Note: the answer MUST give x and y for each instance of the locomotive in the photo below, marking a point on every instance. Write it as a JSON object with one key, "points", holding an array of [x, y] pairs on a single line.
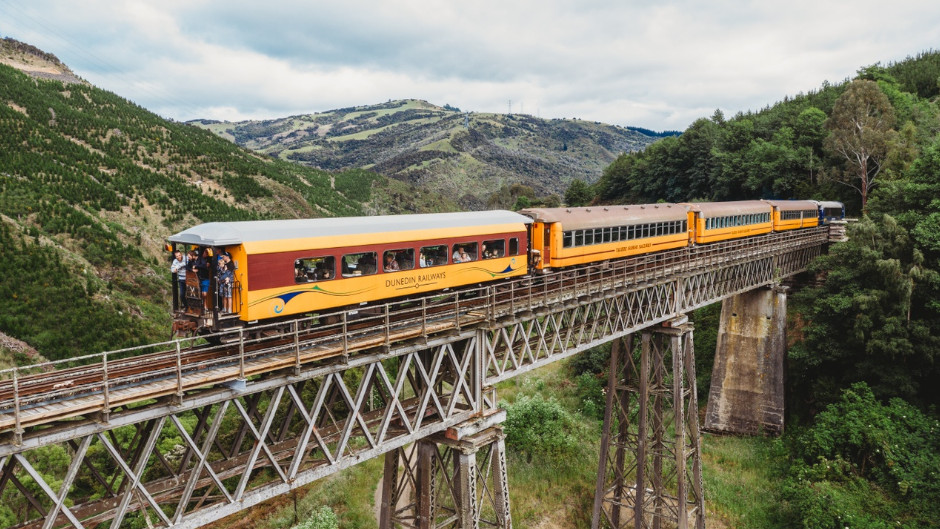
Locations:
{"points": [[282, 269]]}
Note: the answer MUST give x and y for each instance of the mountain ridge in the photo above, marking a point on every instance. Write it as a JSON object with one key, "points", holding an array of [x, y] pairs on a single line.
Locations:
{"points": [[470, 155]]}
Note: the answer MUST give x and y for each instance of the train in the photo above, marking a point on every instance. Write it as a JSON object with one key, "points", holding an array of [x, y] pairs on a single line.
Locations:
{"points": [[285, 269]]}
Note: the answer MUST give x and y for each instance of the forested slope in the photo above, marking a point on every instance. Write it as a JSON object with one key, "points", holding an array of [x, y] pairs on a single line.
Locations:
{"points": [[90, 186], [470, 156], [864, 359]]}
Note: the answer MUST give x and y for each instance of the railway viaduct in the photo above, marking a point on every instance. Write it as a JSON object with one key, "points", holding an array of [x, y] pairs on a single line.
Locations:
{"points": [[180, 434]]}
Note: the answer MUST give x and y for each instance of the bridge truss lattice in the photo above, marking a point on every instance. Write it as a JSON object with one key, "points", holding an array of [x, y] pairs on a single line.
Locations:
{"points": [[211, 439]]}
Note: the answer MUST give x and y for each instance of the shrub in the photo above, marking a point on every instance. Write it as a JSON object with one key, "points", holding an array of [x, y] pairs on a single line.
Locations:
{"points": [[591, 395], [322, 518], [537, 426], [859, 450]]}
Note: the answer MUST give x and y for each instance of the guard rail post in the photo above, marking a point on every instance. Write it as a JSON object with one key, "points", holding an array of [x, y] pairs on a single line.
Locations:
{"points": [[241, 353], [296, 347], [345, 337], [179, 374], [388, 332], [17, 424], [106, 390], [424, 317]]}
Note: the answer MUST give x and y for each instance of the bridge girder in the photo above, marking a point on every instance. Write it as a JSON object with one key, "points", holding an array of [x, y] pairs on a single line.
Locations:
{"points": [[201, 453]]}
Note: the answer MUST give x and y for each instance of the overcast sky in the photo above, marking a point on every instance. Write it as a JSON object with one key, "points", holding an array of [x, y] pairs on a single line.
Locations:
{"points": [[653, 64]]}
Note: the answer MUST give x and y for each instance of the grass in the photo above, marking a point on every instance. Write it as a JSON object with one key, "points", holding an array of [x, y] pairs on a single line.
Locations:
{"points": [[349, 493], [553, 491], [409, 104], [741, 481], [740, 477], [442, 145]]}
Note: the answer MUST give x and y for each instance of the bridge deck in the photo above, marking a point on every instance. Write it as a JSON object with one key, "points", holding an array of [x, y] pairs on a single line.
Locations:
{"points": [[42, 394]]}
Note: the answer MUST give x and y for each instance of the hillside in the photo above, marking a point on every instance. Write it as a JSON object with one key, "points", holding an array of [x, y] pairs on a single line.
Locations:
{"points": [[861, 448], [91, 185], [469, 156]]}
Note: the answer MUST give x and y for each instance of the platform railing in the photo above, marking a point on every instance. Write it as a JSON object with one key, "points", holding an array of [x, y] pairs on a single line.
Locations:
{"points": [[98, 382]]}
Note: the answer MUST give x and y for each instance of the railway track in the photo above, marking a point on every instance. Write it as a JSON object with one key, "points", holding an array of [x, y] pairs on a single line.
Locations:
{"points": [[62, 390]]}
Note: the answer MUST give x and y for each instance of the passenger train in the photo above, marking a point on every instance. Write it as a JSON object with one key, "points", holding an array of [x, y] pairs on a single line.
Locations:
{"points": [[287, 268]]}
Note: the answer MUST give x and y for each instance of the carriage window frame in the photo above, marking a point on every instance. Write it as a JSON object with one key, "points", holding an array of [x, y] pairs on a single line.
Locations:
{"points": [[405, 257], [362, 267], [496, 248], [472, 248], [435, 255], [310, 265]]}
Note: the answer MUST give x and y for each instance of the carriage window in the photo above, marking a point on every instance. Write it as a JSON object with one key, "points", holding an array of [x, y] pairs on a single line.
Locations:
{"points": [[579, 238], [465, 252], [359, 264], [567, 239], [314, 269], [514, 246], [495, 248], [394, 260], [433, 256]]}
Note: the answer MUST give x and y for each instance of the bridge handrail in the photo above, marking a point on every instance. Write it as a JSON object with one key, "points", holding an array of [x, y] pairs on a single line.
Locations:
{"points": [[97, 379]]}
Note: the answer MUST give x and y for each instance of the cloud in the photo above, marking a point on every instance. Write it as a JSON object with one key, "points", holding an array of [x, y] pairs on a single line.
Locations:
{"points": [[659, 65]]}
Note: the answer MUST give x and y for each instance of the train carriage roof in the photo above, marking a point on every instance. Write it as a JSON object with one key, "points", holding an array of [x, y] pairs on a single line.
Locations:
{"points": [[606, 216], [792, 205], [232, 233], [723, 209], [830, 204]]}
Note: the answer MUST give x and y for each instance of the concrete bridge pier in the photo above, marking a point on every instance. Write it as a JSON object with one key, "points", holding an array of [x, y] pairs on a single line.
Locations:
{"points": [[650, 469], [747, 388]]}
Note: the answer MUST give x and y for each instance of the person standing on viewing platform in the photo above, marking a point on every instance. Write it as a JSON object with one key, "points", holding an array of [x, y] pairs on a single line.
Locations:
{"points": [[178, 267]]}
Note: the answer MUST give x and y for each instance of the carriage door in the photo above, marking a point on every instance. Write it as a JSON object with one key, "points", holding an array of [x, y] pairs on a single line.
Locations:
{"points": [[547, 241]]}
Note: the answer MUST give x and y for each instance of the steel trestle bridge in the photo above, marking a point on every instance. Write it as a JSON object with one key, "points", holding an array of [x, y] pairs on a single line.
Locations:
{"points": [[182, 433]]}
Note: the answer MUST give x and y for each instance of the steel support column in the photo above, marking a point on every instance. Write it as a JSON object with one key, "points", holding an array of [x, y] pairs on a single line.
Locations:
{"points": [[649, 473], [446, 483]]}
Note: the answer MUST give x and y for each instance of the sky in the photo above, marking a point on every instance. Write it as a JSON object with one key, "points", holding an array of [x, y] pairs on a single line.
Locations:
{"points": [[659, 65]]}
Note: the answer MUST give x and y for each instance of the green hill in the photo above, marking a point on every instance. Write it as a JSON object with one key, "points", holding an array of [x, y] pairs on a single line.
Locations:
{"points": [[91, 185], [465, 155]]}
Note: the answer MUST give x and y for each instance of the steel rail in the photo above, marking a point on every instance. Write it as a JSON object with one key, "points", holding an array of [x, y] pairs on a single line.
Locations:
{"points": [[109, 379]]}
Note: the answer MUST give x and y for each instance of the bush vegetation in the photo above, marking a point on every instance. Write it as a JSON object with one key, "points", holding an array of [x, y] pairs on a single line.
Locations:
{"points": [[865, 344]]}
